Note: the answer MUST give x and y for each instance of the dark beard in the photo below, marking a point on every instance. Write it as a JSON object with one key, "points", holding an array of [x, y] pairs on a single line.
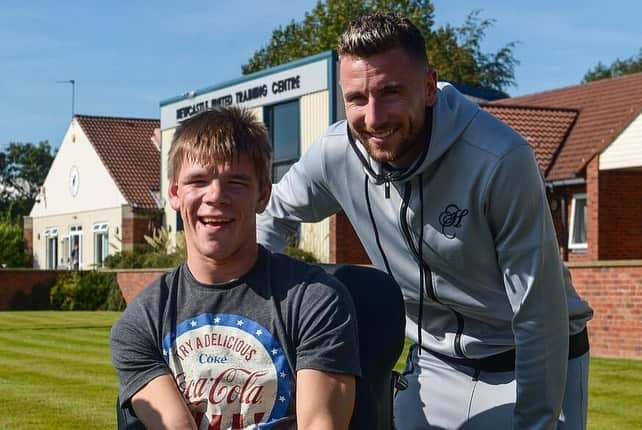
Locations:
{"points": [[411, 144]]}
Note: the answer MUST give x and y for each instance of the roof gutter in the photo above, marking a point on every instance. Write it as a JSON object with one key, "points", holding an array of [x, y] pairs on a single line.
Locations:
{"points": [[566, 182]]}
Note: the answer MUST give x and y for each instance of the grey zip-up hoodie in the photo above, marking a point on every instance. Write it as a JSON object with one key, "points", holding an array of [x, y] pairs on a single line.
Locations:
{"points": [[492, 272]]}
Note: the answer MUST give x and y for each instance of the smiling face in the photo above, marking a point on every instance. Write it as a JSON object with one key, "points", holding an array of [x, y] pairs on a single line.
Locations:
{"points": [[218, 204], [385, 96]]}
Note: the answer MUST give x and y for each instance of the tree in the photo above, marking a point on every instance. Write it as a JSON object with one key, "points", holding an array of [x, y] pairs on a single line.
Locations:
{"points": [[455, 52], [617, 68], [12, 250], [23, 169]]}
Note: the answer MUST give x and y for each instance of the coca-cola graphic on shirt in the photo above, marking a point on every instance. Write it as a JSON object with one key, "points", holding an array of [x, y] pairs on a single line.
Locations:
{"points": [[231, 371]]}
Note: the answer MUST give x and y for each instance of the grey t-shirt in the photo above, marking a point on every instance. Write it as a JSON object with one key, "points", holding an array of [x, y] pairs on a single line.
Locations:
{"points": [[233, 349]]}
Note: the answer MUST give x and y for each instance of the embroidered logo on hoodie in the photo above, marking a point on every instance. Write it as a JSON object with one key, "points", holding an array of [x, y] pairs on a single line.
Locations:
{"points": [[450, 219]]}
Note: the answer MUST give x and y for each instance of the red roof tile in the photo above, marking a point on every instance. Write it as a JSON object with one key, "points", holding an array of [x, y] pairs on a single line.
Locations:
{"points": [[605, 108], [545, 129], [125, 147]]}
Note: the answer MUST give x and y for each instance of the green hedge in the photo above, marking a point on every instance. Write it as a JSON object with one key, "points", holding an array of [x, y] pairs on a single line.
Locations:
{"points": [[300, 254], [144, 257], [89, 291]]}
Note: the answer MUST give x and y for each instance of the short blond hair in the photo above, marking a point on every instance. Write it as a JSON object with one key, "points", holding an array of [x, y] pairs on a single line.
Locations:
{"points": [[221, 135]]}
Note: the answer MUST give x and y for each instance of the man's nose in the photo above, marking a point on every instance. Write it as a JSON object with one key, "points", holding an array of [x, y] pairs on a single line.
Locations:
{"points": [[215, 193], [374, 114]]}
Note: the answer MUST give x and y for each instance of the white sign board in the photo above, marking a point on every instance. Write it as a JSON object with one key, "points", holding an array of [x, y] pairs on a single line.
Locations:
{"points": [[265, 90]]}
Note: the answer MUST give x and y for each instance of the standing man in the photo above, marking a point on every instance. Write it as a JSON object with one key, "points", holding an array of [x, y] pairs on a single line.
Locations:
{"points": [[235, 337], [449, 201]]}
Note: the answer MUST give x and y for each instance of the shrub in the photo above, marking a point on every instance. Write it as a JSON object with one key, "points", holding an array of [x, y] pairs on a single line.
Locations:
{"points": [[300, 254], [82, 290], [153, 255], [115, 300], [12, 252], [142, 257]]}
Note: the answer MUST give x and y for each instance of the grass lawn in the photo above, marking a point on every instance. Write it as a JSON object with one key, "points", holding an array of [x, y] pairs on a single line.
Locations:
{"points": [[55, 373]]}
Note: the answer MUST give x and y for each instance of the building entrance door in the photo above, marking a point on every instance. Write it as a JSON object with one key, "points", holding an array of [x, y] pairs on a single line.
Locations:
{"points": [[75, 247]]}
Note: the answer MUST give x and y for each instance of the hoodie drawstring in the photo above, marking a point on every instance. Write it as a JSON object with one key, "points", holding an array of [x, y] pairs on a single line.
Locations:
{"points": [[386, 187], [422, 273], [374, 226]]}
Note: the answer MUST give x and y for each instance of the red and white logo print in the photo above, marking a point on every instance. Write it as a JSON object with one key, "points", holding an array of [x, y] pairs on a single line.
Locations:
{"points": [[230, 370]]}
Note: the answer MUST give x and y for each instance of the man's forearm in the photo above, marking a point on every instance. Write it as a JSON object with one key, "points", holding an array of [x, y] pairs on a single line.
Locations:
{"points": [[324, 401], [159, 405]]}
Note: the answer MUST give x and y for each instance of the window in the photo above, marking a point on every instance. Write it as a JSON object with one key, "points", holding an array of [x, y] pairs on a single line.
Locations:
{"points": [[101, 243], [179, 222], [75, 247], [283, 122], [64, 253], [51, 251], [577, 238]]}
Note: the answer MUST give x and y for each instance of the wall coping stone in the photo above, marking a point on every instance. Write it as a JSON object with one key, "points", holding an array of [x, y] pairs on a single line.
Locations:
{"points": [[605, 263], [152, 270]]}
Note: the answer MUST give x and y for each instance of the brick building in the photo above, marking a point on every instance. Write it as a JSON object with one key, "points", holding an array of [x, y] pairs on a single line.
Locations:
{"points": [[588, 142], [101, 194]]}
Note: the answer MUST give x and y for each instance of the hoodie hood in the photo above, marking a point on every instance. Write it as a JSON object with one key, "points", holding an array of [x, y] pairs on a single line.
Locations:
{"points": [[450, 116]]}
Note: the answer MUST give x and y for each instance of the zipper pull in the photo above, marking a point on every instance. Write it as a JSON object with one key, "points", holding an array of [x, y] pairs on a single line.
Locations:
{"points": [[386, 187]]}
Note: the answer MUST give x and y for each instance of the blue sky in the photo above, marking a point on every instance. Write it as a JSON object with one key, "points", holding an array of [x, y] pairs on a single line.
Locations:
{"points": [[126, 56]]}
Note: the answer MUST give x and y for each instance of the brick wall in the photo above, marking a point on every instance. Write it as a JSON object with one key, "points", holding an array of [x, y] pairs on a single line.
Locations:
{"points": [[132, 282], [25, 289], [614, 214], [620, 215], [28, 289], [27, 236], [614, 290], [345, 246], [135, 225], [593, 215]]}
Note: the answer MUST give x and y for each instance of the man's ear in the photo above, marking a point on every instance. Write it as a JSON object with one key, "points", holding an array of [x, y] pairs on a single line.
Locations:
{"points": [[172, 194], [431, 87], [264, 197]]}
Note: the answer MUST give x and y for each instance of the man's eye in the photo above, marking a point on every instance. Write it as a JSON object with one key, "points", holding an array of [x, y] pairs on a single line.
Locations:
{"points": [[356, 99], [197, 182], [391, 91]]}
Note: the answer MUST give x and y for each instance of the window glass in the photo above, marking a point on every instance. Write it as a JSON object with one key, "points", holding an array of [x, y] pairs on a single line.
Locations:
{"points": [[52, 252], [64, 252], [101, 244], [283, 123], [578, 222], [179, 222], [279, 169], [75, 247]]}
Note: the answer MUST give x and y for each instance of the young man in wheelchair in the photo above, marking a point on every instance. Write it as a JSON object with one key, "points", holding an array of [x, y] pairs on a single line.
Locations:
{"points": [[236, 336]]}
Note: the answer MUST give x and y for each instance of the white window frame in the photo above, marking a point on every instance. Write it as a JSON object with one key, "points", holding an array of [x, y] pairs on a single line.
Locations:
{"points": [[64, 253], [51, 233], [571, 243], [100, 229], [75, 230]]}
